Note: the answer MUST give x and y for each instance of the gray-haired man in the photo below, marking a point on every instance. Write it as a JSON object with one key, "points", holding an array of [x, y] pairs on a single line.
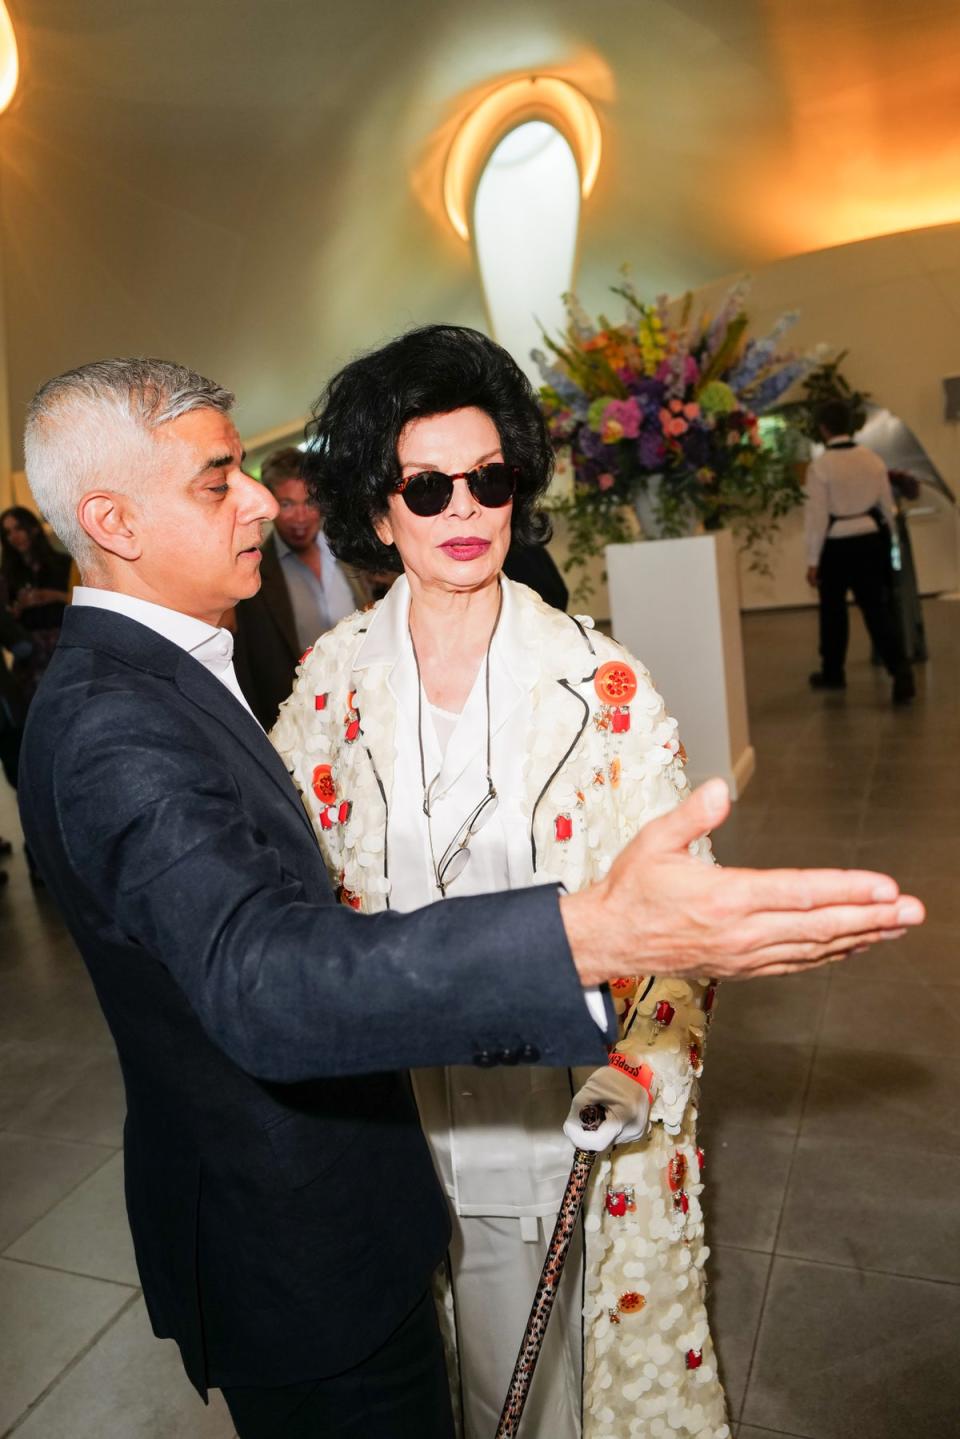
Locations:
{"points": [[283, 1204]]}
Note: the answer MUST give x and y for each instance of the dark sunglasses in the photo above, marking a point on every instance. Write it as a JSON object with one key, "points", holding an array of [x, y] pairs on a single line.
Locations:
{"points": [[429, 492]]}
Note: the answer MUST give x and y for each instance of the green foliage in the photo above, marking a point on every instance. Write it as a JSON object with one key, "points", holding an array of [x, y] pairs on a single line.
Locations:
{"points": [[822, 384]]}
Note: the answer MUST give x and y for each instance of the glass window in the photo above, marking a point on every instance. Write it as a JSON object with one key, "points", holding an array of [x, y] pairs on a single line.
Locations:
{"points": [[526, 216]]}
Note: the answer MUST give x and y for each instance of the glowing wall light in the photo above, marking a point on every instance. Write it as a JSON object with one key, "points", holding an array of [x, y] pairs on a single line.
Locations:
{"points": [[538, 97], [9, 60]]}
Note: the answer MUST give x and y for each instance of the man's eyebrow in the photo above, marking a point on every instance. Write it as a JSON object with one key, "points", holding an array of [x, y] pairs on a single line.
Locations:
{"points": [[218, 462]]}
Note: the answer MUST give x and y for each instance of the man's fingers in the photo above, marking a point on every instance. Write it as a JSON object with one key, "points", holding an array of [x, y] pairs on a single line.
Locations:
{"points": [[806, 889], [829, 925], [707, 807], [797, 958]]}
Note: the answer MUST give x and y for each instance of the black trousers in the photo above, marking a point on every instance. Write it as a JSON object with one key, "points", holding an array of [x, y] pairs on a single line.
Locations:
{"points": [[400, 1392], [860, 564]]}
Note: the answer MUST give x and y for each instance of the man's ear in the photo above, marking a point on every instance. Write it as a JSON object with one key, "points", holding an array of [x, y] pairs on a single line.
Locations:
{"points": [[383, 530], [110, 521]]}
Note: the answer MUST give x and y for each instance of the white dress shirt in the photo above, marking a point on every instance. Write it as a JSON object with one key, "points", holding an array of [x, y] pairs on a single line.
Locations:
{"points": [[845, 479], [210, 646], [317, 604]]}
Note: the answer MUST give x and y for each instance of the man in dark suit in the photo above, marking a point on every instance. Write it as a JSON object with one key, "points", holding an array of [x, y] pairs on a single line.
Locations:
{"points": [[303, 591], [285, 1213]]}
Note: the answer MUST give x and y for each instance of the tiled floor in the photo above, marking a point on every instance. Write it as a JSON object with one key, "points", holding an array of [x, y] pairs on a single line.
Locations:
{"points": [[829, 1106], [831, 1115]]}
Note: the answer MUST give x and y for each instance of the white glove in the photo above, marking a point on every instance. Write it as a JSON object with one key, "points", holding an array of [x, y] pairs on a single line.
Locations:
{"points": [[626, 1102]]}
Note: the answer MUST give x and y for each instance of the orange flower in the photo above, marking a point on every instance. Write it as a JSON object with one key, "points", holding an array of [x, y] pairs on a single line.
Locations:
{"points": [[631, 1303], [323, 785]]}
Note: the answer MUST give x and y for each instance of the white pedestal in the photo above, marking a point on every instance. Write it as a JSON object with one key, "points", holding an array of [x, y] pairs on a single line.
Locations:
{"points": [[675, 604]]}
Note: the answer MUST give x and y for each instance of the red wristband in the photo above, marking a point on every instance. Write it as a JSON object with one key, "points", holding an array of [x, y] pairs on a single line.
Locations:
{"points": [[641, 1073]]}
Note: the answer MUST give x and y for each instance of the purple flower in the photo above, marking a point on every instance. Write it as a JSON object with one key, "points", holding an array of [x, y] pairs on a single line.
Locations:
{"points": [[651, 449]]}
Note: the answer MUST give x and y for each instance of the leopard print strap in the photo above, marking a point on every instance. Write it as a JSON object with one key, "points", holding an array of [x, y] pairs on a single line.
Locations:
{"points": [[536, 1329]]}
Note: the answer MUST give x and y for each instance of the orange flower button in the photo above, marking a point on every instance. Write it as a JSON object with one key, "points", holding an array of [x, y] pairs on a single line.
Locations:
{"points": [[323, 786], [631, 1303], [615, 683]]}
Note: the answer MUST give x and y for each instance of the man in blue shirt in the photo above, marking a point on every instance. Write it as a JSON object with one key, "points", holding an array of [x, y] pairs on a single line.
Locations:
{"points": [[305, 591]]}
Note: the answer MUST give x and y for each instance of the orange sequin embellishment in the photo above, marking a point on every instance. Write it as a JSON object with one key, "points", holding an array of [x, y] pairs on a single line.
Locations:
{"points": [[615, 683]]}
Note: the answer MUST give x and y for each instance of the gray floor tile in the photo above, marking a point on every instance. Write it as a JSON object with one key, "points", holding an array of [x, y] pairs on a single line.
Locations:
{"points": [[751, 1083], [873, 1208], [35, 1074], [746, 1180], [48, 1319], [58, 1010], [37, 1174], [129, 1386], [87, 1232], [784, 850], [940, 893], [755, 1011], [737, 1279], [886, 1017], [860, 1097], [841, 1353], [925, 957], [912, 866], [750, 1431], [91, 1107]]}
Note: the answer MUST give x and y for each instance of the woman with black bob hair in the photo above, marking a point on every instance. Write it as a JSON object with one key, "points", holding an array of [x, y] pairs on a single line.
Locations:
{"points": [[351, 459], [462, 737]]}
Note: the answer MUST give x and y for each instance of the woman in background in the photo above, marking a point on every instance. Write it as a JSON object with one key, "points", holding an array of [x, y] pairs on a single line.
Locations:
{"points": [[37, 579], [460, 737]]}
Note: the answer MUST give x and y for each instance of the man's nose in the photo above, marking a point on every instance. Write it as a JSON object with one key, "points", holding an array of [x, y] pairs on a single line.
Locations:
{"points": [[256, 502]]}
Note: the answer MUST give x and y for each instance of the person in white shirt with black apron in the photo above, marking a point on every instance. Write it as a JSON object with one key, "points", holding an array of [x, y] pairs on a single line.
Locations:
{"points": [[850, 518]]}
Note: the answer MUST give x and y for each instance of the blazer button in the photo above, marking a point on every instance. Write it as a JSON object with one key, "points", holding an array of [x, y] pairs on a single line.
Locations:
{"points": [[509, 1056], [529, 1054], [484, 1059]]}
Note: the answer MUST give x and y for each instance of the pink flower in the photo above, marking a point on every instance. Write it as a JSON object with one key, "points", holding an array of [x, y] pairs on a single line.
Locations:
{"points": [[606, 481], [691, 370], [626, 414]]}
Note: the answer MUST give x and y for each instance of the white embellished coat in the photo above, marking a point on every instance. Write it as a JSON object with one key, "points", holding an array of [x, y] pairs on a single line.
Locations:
{"points": [[595, 771]]}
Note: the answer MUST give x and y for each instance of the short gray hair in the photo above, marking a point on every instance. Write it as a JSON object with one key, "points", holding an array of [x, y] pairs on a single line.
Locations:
{"points": [[91, 427]]}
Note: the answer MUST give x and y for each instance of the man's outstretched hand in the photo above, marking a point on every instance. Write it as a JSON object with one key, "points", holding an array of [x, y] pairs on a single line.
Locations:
{"points": [[661, 911]]}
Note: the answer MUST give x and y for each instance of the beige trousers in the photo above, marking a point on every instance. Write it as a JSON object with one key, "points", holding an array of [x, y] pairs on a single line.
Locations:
{"points": [[495, 1275]]}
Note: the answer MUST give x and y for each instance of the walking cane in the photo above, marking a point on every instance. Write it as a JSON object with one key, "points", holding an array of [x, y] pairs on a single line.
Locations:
{"points": [[591, 1118]]}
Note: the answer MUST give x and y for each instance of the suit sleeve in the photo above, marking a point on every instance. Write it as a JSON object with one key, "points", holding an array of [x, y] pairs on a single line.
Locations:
{"points": [[289, 988]]}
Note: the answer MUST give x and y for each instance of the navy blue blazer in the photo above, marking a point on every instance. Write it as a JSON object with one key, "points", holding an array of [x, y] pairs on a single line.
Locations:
{"points": [[283, 1204]]}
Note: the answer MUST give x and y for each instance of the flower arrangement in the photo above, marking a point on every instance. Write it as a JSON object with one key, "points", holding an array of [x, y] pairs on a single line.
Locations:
{"points": [[661, 413]]}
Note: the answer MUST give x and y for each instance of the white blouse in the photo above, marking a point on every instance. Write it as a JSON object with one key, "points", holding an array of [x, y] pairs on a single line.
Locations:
{"points": [[495, 1134]]}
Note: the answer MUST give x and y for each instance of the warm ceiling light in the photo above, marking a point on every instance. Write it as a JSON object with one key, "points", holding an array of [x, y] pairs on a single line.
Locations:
{"points": [[9, 63], [538, 97]]}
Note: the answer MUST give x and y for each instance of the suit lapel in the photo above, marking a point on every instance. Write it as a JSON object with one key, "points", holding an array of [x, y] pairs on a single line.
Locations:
{"points": [[138, 647], [203, 689]]}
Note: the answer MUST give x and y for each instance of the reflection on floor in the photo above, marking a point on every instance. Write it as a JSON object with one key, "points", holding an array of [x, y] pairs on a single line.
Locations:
{"points": [[830, 1111]]}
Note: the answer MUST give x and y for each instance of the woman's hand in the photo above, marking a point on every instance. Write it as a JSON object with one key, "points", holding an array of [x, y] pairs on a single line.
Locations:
{"points": [[660, 911], [627, 1105]]}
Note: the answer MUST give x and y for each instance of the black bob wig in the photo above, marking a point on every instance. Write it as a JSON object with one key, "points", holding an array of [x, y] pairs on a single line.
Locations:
{"points": [[350, 464]]}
